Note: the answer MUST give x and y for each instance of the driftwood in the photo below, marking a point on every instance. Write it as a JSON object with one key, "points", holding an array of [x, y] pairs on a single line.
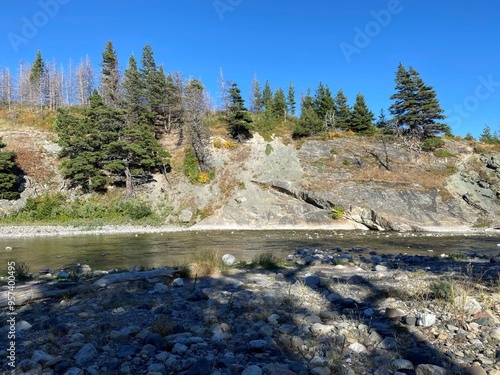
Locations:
{"points": [[149, 276], [34, 290], [39, 289]]}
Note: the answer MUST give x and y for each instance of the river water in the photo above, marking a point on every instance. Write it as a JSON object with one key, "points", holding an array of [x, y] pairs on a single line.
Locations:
{"points": [[172, 248]]}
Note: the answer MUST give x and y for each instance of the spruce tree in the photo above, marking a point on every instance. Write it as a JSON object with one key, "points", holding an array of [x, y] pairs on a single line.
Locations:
{"points": [[9, 179], [110, 76], [239, 120], [154, 85], [279, 104], [323, 102], [415, 108], [37, 81], [342, 111], [362, 117], [309, 122], [256, 101], [267, 98], [291, 99]]}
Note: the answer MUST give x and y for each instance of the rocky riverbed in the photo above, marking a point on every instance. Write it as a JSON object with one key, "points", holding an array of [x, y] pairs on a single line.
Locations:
{"points": [[347, 311]]}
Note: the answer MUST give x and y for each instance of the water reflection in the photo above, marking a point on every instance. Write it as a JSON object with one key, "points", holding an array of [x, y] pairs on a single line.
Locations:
{"points": [[155, 250]]}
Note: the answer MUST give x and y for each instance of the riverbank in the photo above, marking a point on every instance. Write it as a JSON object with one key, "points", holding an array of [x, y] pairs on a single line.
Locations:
{"points": [[340, 312], [24, 231]]}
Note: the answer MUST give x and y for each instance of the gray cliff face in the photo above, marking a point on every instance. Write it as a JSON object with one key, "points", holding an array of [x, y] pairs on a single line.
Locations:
{"points": [[267, 184], [379, 186]]}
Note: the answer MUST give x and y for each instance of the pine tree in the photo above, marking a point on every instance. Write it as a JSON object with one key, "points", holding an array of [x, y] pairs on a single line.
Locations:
{"points": [[9, 179], [323, 102], [415, 108], [133, 95], [255, 96], [37, 81], [342, 111], [110, 76], [81, 146], [279, 109], [362, 117], [267, 98], [239, 120], [309, 122], [291, 99], [154, 85]]}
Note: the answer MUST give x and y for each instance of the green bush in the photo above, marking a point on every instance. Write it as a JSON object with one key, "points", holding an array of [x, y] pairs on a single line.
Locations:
{"points": [[442, 153], [443, 290], [431, 144], [337, 212], [135, 209], [190, 166], [269, 149]]}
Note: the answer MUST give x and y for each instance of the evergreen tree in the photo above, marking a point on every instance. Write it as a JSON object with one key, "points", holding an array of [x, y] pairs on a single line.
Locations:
{"points": [[37, 80], [323, 102], [267, 98], [110, 76], [81, 146], [106, 145], [133, 95], [279, 104], [362, 117], [255, 96], [309, 122], [9, 179], [487, 137], [415, 108], [342, 111], [154, 85], [239, 120], [291, 99], [382, 121]]}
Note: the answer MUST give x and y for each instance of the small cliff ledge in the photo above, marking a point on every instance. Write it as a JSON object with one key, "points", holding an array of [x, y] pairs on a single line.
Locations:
{"points": [[343, 183]]}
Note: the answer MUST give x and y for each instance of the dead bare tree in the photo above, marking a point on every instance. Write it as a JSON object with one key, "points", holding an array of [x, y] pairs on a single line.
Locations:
{"points": [[383, 159], [196, 109]]}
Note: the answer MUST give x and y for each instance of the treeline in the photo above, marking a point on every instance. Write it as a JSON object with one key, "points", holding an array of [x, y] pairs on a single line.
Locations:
{"points": [[109, 127]]}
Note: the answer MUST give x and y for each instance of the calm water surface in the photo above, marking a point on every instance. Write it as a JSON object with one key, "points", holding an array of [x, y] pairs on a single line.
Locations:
{"points": [[155, 250]]}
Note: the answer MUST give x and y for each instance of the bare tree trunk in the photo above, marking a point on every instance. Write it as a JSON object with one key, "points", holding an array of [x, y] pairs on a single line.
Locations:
{"points": [[129, 186]]}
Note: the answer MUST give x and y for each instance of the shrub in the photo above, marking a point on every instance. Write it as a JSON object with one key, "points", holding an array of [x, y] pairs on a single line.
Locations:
{"points": [[134, 208], [442, 153], [190, 166], [22, 271], [269, 149], [203, 178], [266, 260], [443, 290], [229, 144], [218, 143], [430, 144], [337, 212]]}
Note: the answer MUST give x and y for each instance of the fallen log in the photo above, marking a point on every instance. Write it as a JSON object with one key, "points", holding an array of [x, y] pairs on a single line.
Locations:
{"points": [[33, 290], [149, 276]]}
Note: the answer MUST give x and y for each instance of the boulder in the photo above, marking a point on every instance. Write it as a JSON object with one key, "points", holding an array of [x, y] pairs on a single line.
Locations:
{"points": [[229, 259]]}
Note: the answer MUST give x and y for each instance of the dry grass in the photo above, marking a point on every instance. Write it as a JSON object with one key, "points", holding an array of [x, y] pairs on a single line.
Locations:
{"points": [[205, 264]]}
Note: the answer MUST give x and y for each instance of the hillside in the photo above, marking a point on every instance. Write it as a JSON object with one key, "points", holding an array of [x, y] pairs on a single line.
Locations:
{"points": [[361, 181]]}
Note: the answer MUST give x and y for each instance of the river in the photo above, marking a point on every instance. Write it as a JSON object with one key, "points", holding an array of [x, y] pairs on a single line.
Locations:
{"points": [[107, 251]]}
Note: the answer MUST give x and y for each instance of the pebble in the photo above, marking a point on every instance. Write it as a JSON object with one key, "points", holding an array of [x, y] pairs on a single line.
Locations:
{"points": [[268, 326]]}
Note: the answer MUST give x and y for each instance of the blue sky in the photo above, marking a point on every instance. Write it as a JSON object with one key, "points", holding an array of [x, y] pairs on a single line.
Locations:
{"points": [[355, 45]]}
